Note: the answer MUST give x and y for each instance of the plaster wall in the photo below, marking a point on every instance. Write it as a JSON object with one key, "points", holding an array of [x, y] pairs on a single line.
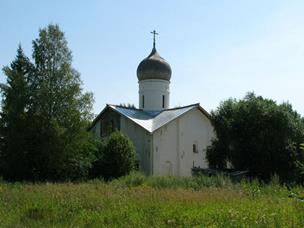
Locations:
{"points": [[109, 121], [142, 142], [195, 128], [165, 149], [173, 144], [151, 92]]}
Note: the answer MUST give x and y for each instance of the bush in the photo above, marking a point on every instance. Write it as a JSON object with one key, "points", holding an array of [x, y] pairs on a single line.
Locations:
{"points": [[133, 179], [257, 135], [116, 157]]}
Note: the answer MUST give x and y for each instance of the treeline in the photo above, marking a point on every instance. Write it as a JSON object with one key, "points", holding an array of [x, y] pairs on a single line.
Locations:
{"points": [[45, 114], [258, 135]]}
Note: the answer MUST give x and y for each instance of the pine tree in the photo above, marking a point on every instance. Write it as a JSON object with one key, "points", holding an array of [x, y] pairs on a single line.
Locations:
{"points": [[15, 107]]}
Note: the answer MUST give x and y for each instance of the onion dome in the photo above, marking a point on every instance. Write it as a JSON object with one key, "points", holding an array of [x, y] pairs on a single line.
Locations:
{"points": [[154, 67]]}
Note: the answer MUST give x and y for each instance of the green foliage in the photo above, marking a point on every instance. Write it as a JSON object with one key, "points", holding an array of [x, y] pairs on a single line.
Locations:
{"points": [[216, 156], [300, 166], [258, 135], [116, 157], [302, 146], [48, 138], [132, 180], [14, 117]]}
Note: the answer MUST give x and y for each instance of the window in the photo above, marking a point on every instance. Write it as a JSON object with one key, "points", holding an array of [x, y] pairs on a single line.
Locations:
{"points": [[194, 148], [163, 101], [143, 101]]}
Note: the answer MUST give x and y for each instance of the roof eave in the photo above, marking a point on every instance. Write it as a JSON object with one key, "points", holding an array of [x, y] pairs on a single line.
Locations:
{"points": [[97, 117]]}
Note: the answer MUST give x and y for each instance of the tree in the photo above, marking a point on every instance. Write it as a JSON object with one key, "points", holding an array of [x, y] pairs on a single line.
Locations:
{"points": [[14, 116], [61, 109], [258, 135], [302, 146], [300, 166], [56, 143], [117, 157]]}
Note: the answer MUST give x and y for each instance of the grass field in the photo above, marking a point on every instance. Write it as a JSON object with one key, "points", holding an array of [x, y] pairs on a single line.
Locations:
{"points": [[138, 201]]}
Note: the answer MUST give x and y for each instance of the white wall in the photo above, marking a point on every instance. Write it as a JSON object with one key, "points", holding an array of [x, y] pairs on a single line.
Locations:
{"points": [[173, 144], [195, 127], [141, 140], [153, 90], [165, 148]]}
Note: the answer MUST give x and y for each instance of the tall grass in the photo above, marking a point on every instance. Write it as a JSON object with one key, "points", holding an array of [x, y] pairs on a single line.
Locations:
{"points": [[196, 182], [140, 201]]}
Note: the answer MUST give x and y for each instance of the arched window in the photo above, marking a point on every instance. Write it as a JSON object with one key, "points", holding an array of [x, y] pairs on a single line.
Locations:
{"points": [[163, 101]]}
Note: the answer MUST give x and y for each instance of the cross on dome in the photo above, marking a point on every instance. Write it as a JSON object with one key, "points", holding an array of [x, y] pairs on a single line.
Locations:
{"points": [[154, 33]]}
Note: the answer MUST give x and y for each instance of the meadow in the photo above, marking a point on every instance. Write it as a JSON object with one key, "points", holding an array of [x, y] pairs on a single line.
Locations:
{"points": [[139, 201]]}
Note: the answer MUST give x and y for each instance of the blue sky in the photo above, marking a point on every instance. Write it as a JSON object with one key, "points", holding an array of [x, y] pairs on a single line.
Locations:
{"points": [[216, 49]]}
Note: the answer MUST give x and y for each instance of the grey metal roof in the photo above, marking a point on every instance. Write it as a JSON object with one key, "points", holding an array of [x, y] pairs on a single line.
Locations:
{"points": [[151, 121]]}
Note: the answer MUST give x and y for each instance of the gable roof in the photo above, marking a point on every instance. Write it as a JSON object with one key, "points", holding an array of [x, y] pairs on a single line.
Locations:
{"points": [[151, 120]]}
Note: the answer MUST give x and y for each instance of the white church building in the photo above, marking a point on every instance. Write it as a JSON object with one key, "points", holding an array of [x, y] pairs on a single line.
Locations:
{"points": [[168, 141]]}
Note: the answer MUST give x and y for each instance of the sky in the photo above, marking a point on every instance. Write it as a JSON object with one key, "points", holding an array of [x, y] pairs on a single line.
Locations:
{"points": [[216, 49]]}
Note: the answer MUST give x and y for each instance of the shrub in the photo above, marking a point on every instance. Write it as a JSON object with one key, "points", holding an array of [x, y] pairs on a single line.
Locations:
{"points": [[257, 135], [116, 158], [133, 179]]}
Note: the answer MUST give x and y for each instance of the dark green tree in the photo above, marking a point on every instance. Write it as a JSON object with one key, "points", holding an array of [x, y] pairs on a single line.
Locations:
{"points": [[117, 157], [14, 118], [258, 135], [300, 166]]}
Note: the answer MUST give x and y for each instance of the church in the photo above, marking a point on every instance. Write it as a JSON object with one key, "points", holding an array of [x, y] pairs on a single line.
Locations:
{"points": [[168, 141]]}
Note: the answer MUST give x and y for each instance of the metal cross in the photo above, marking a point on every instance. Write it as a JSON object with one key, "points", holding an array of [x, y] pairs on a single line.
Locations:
{"points": [[154, 33]]}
